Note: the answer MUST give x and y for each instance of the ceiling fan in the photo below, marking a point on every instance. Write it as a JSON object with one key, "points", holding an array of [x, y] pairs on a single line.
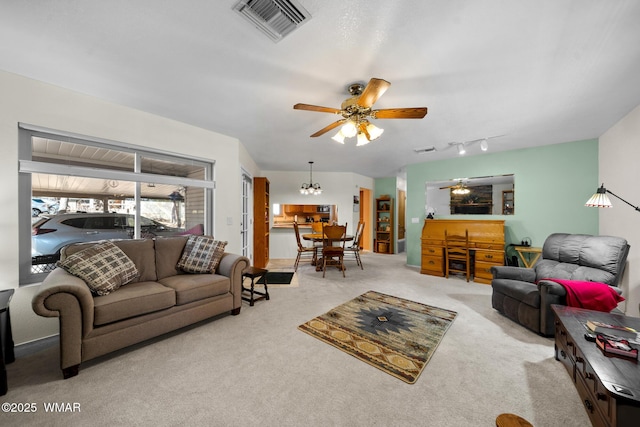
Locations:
{"points": [[458, 188], [356, 112]]}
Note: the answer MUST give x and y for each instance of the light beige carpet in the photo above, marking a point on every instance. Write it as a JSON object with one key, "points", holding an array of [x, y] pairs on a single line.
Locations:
{"points": [[258, 369]]}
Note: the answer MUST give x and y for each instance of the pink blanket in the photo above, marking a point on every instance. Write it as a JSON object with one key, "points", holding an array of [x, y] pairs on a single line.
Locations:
{"points": [[590, 295]]}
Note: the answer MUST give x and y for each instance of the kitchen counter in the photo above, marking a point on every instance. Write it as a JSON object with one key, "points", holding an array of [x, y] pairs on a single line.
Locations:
{"points": [[290, 225]]}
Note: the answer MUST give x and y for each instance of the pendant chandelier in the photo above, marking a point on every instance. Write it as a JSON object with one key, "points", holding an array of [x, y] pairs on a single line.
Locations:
{"points": [[311, 187]]}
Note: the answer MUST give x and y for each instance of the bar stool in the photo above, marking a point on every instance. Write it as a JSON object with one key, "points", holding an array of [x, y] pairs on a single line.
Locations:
{"points": [[254, 273]]}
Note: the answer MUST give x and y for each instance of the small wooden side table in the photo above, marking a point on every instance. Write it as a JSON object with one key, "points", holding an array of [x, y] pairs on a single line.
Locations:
{"points": [[6, 339], [532, 254], [254, 273]]}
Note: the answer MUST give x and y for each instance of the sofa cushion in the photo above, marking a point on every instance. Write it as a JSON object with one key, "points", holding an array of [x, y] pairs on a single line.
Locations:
{"points": [[140, 251], [104, 267], [194, 287], [550, 269], [132, 300], [201, 254], [168, 253]]}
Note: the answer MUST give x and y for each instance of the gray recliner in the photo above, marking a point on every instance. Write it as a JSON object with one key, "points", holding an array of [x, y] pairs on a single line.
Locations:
{"points": [[564, 256]]}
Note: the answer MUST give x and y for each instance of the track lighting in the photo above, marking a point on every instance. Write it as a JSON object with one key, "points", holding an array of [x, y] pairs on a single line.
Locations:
{"points": [[483, 142]]}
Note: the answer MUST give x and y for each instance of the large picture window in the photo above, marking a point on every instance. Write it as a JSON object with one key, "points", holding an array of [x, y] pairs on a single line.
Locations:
{"points": [[75, 188]]}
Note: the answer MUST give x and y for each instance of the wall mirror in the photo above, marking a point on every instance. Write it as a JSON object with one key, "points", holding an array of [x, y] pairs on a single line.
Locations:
{"points": [[485, 195]]}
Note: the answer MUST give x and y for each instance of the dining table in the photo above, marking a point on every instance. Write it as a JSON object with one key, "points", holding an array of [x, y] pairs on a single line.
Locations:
{"points": [[320, 237]]}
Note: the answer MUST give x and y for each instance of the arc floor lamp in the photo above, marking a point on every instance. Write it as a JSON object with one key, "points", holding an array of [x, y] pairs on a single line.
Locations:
{"points": [[601, 200]]}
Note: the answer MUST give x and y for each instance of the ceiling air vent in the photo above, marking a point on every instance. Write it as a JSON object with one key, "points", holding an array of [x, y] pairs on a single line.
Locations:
{"points": [[275, 18], [425, 149]]}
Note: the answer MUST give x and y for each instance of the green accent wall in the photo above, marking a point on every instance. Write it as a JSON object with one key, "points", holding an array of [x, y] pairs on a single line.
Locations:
{"points": [[552, 184]]}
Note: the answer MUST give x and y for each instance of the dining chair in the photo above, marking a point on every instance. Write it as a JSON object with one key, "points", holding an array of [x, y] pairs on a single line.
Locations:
{"points": [[333, 254], [456, 251], [316, 227], [303, 251], [355, 247]]}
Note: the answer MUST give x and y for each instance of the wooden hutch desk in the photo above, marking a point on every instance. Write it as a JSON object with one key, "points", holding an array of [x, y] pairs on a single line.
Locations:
{"points": [[486, 241]]}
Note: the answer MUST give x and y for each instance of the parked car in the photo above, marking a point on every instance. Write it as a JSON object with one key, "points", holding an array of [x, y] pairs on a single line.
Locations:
{"points": [[38, 206], [52, 232]]}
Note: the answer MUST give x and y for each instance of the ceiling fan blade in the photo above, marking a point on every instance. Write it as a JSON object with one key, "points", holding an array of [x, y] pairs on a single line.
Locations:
{"points": [[309, 107], [400, 113], [374, 90], [328, 128]]}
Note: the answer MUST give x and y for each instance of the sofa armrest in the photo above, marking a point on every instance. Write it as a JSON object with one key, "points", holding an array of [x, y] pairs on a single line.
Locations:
{"points": [[514, 273], [232, 265], [550, 287], [550, 293], [48, 302], [67, 297]]}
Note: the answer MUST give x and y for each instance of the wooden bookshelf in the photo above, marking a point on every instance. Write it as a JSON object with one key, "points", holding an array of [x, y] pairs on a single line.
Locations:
{"points": [[384, 226], [261, 217]]}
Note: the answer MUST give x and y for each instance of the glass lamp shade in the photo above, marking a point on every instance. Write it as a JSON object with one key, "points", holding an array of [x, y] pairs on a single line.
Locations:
{"points": [[338, 137], [362, 139], [374, 131], [599, 200], [484, 145], [349, 129], [461, 149]]}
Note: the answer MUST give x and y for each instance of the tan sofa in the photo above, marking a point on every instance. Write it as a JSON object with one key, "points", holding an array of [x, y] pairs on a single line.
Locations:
{"points": [[160, 300]]}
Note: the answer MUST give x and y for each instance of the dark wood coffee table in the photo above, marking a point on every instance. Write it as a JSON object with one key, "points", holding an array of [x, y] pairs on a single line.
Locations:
{"points": [[609, 386]]}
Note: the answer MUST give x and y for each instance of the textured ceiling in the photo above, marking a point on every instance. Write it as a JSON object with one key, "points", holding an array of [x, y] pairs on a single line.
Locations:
{"points": [[538, 72]]}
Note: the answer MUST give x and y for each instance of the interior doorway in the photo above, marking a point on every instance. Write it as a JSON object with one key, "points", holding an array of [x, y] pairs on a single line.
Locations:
{"points": [[402, 205], [366, 216]]}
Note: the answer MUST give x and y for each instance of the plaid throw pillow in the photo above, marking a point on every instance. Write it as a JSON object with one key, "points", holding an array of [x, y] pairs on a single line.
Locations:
{"points": [[104, 267], [201, 254]]}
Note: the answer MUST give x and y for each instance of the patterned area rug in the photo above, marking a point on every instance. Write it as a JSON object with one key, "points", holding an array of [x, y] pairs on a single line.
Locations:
{"points": [[395, 335], [281, 266], [277, 278]]}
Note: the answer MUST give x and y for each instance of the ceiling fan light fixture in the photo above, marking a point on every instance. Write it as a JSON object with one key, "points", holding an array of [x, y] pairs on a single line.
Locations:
{"points": [[374, 131], [484, 144], [338, 137], [362, 139], [461, 149], [461, 190], [349, 129], [357, 110]]}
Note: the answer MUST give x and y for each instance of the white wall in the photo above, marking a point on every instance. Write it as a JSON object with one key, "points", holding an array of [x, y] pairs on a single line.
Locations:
{"points": [[619, 152], [37, 103], [337, 189]]}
